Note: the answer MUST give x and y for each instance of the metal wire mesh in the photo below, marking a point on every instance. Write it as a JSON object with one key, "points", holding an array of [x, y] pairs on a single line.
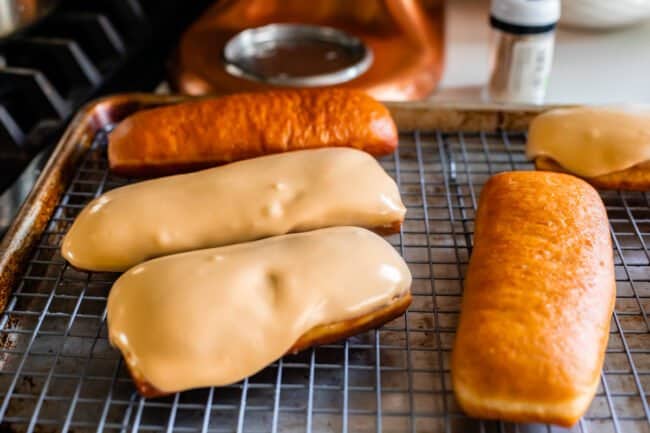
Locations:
{"points": [[58, 372]]}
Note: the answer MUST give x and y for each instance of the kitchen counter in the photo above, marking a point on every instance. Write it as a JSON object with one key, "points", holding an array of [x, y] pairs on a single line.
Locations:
{"points": [[589, 67]]}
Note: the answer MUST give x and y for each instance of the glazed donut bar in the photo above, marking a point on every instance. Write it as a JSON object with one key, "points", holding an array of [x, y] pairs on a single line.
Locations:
{"points": [[226, 313], [238, 202], [208, 132], [635, 178], [537, 302], [608, 147]]}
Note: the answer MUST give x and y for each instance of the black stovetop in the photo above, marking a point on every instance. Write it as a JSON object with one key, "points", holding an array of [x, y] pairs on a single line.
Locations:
{"points": [[82, 50]]}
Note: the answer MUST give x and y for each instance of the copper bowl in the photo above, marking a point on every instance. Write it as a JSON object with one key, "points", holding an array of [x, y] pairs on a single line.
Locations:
{"points": [[405, 39]]}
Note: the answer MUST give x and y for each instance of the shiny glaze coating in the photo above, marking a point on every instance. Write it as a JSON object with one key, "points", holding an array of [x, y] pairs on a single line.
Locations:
{"points": [[215, 316], [208, 132], [537, 301], [238, 202], [609, 147]]}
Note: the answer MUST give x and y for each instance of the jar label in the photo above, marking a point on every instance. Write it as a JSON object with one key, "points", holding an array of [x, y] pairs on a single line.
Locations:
{"points": [[530, 69]]}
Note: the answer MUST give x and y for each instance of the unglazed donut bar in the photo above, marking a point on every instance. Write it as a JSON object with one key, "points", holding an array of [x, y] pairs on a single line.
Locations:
{"points": [[537, 302], [609, 147], [213, 131], [239, 202], [215, 316]]}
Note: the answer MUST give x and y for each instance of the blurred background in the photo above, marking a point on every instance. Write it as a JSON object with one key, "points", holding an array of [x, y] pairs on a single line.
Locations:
{"points": [[602, 52], [55, 55]]}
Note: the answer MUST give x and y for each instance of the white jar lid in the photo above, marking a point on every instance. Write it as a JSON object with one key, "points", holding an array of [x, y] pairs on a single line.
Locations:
{"points": [[526, 12]]}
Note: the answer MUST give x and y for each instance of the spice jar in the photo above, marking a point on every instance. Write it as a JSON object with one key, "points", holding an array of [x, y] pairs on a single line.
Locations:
{"points": [[523, 40]]}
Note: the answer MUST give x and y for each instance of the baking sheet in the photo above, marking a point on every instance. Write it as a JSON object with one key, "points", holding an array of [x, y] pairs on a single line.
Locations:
{"points": [[58, 372]]}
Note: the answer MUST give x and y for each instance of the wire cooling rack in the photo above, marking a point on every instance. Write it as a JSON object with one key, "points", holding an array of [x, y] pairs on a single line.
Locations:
{"points": [[59, 373]]}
